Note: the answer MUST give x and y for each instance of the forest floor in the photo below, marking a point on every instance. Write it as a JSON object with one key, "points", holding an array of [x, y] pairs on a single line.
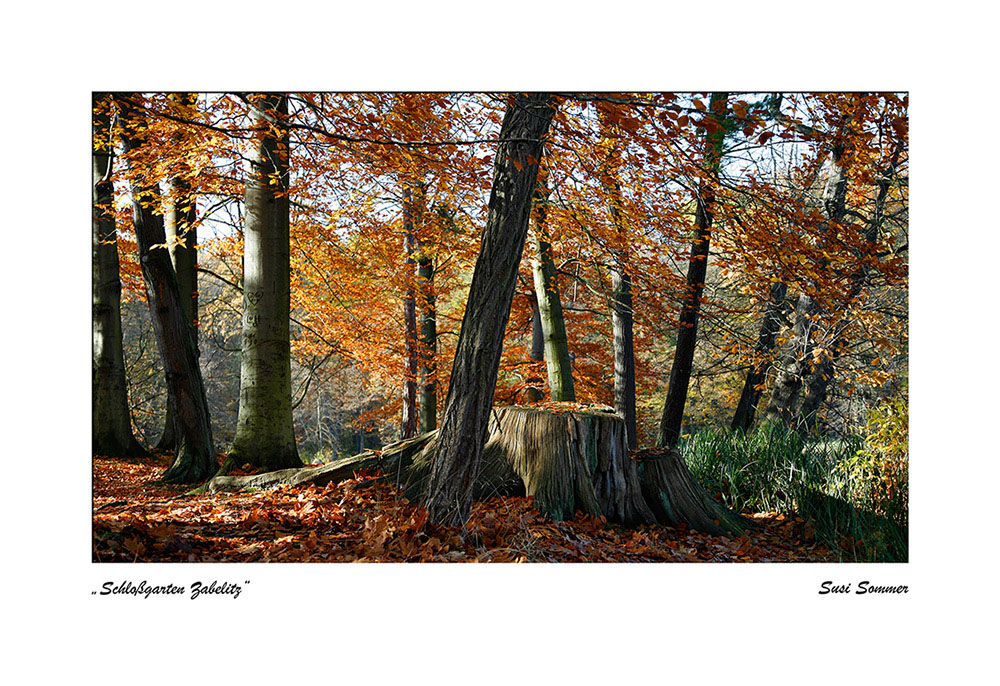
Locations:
{"points": [[136, 519]]}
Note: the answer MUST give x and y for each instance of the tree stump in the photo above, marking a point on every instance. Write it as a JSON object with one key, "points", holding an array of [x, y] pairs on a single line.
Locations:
{"points": [[568, 457]]}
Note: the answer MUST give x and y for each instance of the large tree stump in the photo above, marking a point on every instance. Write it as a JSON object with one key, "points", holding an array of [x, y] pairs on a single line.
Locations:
{"points": [[568, 457]]}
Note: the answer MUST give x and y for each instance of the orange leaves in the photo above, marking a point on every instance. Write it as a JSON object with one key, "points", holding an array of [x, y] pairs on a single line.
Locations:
{"points": [[360, 520]]}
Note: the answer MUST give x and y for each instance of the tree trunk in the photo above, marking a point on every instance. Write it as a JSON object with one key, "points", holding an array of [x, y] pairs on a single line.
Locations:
{"points": [[792, 367], [621, 289], [819, 381], [427, 325], [408, 427], [264, 435], [687, 333], [568, 458], [111, 422], [537, 352], [180, 215], [477, 356], [195, 452], [753, 386], [557, 360]]}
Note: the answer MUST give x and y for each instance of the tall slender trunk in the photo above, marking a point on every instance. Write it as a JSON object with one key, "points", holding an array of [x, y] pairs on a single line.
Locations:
{"points": [[195, 453], [687, 334], [265, 436], [180, 215], [477, 357], [753, 386], [427, 328], [622, 320], [408, 427], [111, 433], [621, 292], [557, 360]]}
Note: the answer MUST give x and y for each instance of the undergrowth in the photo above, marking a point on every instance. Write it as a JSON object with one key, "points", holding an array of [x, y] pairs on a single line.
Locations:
{"points": [[852, 492]]}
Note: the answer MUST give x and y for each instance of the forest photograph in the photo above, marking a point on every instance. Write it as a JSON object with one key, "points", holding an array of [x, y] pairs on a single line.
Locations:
{"points": [[500, 327]]}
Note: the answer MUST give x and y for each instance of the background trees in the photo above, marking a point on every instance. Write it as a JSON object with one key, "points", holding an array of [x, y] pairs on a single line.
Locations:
{"points": [[388, 195]]}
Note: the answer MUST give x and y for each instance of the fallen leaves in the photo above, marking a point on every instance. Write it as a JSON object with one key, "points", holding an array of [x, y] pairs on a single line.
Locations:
{"points": [[361, 520]]}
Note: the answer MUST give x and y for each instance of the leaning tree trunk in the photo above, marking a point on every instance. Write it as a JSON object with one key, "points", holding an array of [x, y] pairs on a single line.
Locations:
{"points": [[179, 217], [543, 267], [687, 333], [111, 422], [195, 454], [477, 356], [569, 458], [264, 435]]}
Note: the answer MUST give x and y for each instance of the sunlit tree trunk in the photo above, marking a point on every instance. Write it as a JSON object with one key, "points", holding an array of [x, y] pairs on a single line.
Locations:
{"points": [[264, 432], [753, 385], [179, 217], [111, 423], [195, 454], [687, 333], [477, 357], [557, 360]]}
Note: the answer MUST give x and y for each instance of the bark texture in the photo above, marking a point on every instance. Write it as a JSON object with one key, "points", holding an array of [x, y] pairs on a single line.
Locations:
{"points": [[264, 434], [477, 357], [179, 217], [195, 454], [111, 433], [553, 324], [427, 327], [408, 427], [687, 333], [753, 386], [536, 352], [568, 457]]}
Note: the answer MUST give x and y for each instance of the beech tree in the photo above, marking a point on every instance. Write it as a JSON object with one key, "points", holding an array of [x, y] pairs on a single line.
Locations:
{"points": [[687, 332], [550, 311], [264, 433], [195, 453], [179, 217], [477, 357], [112, 424]]}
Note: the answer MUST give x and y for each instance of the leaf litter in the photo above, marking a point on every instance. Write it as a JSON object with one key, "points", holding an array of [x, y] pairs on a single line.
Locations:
{"points": [[136, 519]]}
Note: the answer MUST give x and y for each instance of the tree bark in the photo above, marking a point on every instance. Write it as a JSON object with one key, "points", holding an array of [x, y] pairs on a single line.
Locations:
{"points": [[568, 458], [264, 433], [180, 216], [557, 360], [195, 453], [427, 325], [621, 291], [753, 386], [477, 356], [819, 381], [111, 433], [408, 427], [536, 352], [687, 333]]}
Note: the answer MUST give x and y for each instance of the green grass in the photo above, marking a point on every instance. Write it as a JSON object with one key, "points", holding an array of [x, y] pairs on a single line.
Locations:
{"points": [[772, 469]]}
